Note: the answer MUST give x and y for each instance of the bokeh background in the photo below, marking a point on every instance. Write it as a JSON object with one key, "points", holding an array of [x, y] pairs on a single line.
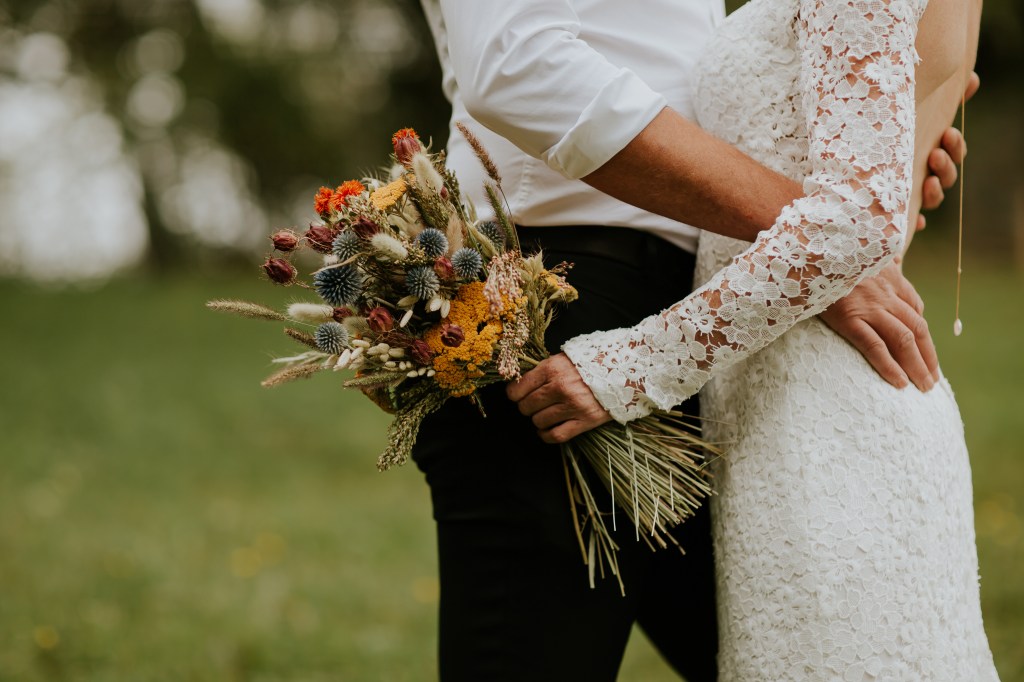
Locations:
{"points": [[164, 518]]}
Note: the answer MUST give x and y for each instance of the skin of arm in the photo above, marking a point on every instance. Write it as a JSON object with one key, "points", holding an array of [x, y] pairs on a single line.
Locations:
{"points": [[881, 317]]}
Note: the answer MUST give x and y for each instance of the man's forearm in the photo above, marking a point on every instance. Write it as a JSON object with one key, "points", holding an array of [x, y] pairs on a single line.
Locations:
{"points": [[675, 169]]}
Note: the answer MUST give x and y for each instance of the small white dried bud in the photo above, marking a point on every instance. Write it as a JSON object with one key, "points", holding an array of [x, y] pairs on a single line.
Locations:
{"points": [[446, 307], [360, 343], [427, 177], [312, 313], [406, 318], [389, 247], [434, 304]]}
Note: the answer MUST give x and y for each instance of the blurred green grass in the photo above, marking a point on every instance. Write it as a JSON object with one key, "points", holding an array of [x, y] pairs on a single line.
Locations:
{"points": [[164, 518]]}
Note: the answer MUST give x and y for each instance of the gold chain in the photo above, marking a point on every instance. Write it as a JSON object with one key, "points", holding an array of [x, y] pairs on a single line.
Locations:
{"points": [[958, 326]]}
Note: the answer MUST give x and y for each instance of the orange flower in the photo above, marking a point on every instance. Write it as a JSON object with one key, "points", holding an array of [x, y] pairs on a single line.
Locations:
{"points": [[402, 134], [322, 202], [406, 144], [349, 188]]}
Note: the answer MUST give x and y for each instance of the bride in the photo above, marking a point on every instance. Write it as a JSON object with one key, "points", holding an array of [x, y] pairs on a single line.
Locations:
{"points": [[843, 526]]}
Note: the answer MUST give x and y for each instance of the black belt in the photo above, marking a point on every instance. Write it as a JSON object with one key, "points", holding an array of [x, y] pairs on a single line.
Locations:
{"points": [[616, 243]]}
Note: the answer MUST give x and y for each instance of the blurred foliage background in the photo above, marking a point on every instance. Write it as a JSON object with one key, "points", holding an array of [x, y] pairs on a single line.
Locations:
{"points": [[161, 517]]}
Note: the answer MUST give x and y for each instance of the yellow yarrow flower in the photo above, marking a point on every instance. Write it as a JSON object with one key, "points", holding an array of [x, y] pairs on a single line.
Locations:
{"points": [[387, 196], [457, 367]]}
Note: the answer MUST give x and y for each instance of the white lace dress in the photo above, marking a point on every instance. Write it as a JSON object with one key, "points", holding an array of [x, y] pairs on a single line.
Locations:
{"points": [[844, 528]]}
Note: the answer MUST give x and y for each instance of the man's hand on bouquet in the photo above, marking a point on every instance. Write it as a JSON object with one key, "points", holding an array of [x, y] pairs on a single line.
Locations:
{"points": [[883, 319], [943, 161], [555, 398]]}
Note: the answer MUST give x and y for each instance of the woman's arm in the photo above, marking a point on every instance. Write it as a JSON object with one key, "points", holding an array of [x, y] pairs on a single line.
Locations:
{"points": [[858, 78]]}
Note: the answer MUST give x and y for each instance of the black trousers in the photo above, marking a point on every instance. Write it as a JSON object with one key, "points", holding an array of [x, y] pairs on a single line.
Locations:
{"points": [[516, 604]]}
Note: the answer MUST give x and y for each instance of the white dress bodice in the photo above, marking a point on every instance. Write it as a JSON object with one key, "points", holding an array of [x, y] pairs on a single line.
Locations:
{"points": [[843, 521]]}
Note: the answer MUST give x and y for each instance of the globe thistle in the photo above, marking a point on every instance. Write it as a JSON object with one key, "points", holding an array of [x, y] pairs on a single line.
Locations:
{"points": [[494, 234], [422, 282], [331, 338], [433, 242], [339, 285], [467, 262], [346, 245]]}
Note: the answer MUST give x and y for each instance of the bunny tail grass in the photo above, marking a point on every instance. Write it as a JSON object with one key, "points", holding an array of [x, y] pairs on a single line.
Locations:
{"points": [[246, 309]]}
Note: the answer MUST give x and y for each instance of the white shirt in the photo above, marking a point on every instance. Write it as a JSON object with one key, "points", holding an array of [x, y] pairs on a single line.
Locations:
{"points": [[555, 88]]}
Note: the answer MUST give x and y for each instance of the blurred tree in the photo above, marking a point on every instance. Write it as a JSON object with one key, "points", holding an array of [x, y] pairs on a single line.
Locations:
{"points": [[245, 103]]}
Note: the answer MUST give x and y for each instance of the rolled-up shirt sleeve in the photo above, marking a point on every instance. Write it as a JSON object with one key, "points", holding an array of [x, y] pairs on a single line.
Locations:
{"points": [[524, 72]]}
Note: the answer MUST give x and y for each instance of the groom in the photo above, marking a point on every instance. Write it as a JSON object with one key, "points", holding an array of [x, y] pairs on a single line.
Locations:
{"points": [[585, 107]]}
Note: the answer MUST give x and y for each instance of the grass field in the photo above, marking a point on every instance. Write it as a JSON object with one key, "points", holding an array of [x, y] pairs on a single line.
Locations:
{"points": [[164, 518]]}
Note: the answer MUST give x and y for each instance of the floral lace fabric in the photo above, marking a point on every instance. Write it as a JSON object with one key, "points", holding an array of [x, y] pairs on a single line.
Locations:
{"points": [[855, 91], [843, 524]]}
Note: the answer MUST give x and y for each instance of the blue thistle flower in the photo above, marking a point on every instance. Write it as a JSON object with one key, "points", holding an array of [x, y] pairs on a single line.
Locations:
{"points": [[346, 245], [332, 338], [467, 262], [433, 242], [339, 286], [494, 233], [422, 282]]}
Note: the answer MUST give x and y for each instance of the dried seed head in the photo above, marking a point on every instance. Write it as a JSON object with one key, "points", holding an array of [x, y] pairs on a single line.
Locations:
{"points": [[284, 240], [279, 270], [320, 237], [365, 228], [420, 352], [452, 335], [406, 144], [380, 320], [444, 269]]}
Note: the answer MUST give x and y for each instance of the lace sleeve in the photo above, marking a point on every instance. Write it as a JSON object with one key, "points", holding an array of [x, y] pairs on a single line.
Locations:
{"points": [[857, 80]]}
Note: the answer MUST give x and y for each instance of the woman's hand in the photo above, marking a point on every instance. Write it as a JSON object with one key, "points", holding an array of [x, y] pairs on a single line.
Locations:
{"points": [[555, 398]]}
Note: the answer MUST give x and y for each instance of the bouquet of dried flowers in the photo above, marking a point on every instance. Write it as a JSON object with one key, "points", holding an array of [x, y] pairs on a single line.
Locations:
{"points": [[424, 303]]}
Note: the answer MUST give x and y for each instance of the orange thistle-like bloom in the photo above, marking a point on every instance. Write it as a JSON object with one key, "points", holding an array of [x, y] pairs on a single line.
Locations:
{"points": [[406, 144], [402, 134], [322, 202], [349, 188]]}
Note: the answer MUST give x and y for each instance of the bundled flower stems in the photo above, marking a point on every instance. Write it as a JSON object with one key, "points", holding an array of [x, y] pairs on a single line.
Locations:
{"points": [[421, 302]]}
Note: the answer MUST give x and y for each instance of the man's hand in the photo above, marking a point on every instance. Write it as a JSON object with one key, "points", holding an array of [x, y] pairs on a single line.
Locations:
{"points": [[942, 162], [882, 318], [554, 396]]}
